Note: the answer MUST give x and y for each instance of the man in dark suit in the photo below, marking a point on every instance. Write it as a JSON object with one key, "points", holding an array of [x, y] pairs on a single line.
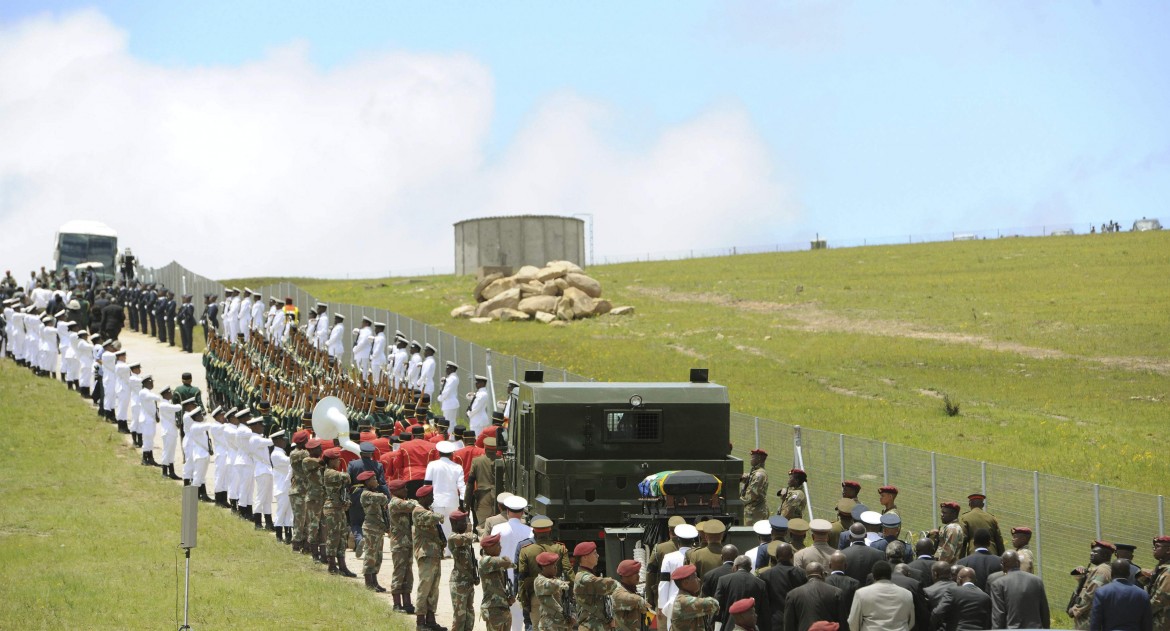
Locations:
{"points": [[859, 557], [981, 560], [113, 318], [964, 607], [146, 311], [942, 583], [780, 579], [170, 311], [842, 581], [924, 551], [813, 601], [902, 578], [186, 320], [742, 584], [1018, 600], [711, 579], [1119, 605]]}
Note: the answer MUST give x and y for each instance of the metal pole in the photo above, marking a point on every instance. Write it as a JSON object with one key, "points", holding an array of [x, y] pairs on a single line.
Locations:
{"points": [[841, 454], [757, 424], [983, 481], [1036, 530], [1161, 516], [491, 382], [885, 465], [187, 592], [1097, 507], [934, 486], [515, 369]]}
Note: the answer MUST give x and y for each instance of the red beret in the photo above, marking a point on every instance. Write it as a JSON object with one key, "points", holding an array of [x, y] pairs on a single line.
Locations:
{"points": [[759, 452], [1104, 544], [685, 571], [584, 548], [824, 625], [741, 605], [888, 489], [457, 515], [851, 483], [490, 540], [332, 452], [313, 443], [1022, 529], [629, 567], [547, 558], [797, 472], [394, 485], [1162, 539], [423, 491], [301, 436], [365, 475], [954, 505]]}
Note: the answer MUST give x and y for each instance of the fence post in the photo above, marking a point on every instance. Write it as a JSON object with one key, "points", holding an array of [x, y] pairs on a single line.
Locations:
{"points": [[885, 465], [1097, 507], [515, 368], [934, 486], [983, 479], [1036, 529], [841, 454], [1161, 516], [757, 425]]}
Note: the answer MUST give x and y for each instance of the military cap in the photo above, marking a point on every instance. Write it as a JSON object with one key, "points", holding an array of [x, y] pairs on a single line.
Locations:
{"points": [[845, 505], [367, 448], [741, 605], [239, 413], [1126, 546], [628, 567], [395, 485], [418, 429], [255, 421], [797, 525], [185, 376], [216, 412], [871, 518], [951, 505], [73, 304], [146, 378], [165, 390], [332, 452], [313, 443], [1103, 544], [247, 291], [502, 498], [851, 484], [480, 378], [365, 475], [264, 405], [892, 490], [714, 527], [1161, 539], [379, 325], [277, 434], [300, 436], [431, 347], [857, 510], [489, 441], [584, 548], [190, 401], [459, 431], [976, 496], [516, 503], [778, 522], [83, 334], [513, 383], [686, 531], [675, 520], [762, 528], [683, 572], [59, 314], [451, 364], [759, 452], [424, 490], [490, 540], [307, 415], [445, 448], [107, 342], [441, 420], [1024, 530], [799, 472], [196, 412], [415, 344], [338, 316], [367, 319], [497, 416], [547, 558], [820, 525], [120, 353], [891, 520]]}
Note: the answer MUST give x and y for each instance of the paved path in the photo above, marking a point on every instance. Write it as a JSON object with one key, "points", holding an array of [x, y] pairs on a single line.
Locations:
{"points": [[167, 364]]}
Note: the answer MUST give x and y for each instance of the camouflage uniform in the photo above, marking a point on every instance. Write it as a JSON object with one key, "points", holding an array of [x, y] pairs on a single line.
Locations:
{"points": [[690, 613], [401, 545], [950, 539], [495, 605], [373, 529], [548, 615], [335, 522], [975, 519], [792, 506], [591, 592], [527, 570], [296, 493], [755, 502], [428, 552], [1159, 590], [463, 580], [1095, 576], [314, 499], [1027, 560], [629, 609]]}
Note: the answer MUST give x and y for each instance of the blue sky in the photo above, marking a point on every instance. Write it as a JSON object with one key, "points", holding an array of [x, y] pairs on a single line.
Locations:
{"points": [[851, 119]]}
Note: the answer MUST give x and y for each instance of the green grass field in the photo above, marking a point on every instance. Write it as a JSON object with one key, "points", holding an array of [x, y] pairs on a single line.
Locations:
{"points": [[93, 543], [1057, 349]]}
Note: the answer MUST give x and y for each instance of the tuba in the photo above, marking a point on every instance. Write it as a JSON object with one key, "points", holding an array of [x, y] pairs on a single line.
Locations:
{"points": [[330, 422]]}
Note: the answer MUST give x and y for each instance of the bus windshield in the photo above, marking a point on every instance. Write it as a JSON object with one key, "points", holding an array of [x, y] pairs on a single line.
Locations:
{"points": [[74, 249]]}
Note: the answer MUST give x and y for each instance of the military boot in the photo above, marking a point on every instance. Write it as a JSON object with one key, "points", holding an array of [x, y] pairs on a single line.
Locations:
{"points": [[341, 567], [397, 602], [420, 623], [145, 461], [377, 586], [332, 565], [433, 625], [268, 523], [203, 496], [407, 606], [256, 521], [221, 499], [369, 581], [288, 535]]}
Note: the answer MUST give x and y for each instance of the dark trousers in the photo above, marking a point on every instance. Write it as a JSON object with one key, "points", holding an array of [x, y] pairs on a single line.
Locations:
{"points": [[133, 313], [162, 327], [112, 333], [169, 331], [153, 324], [186, 334]]}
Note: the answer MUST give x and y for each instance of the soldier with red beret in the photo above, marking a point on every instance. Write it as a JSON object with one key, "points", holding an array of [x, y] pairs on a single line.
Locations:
{"points": [[464, 575], [495, 607], [690, 611], [335, 521], [792, 496], [428, 553], [850, 489], [629, 609], [1021, 536], [887, 495], [590, 590], [755, 488], [950, 538], [549, 613], [976, 519], [401, 545], [743, 611]]}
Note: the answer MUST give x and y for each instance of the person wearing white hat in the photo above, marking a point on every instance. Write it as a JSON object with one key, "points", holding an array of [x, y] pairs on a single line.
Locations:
{"points": [[501, 515], [257, 314], [84, 363], [167, 413], [199, 448], [667, 590], [272, 319], [820, 550], [447, 484], [477, 412], [321, 333], [873, 526], [511, 533], [508, 397], [426, 371], [231, 312], [335, 345], [378, 352], [244, 315], [412, 367], [282, 517], [449, 392], [363, 346], [148, 402], [399, 359], [62, 343]]}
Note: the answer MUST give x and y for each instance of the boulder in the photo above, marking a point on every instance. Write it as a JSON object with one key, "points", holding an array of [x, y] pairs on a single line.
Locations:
{"points": [[561, 284], [550, 273], [549, 288], [498, 287], [479, 320], [568, 266], [527, 273], [507, 315], [558, 323], [533, 304], [564, 309], [463, 311], [602, 307], [584, 283], [622, 311], [509, 299], [545, 317], [483, 283], [535, 288], [580, 304]]}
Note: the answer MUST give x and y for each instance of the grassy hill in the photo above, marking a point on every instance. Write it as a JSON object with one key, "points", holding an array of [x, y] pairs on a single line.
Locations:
{"points": [[1057, 349]]}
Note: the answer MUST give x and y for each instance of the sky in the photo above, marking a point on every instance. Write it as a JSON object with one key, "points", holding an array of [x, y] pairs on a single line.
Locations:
{"points": [[345, 138]]}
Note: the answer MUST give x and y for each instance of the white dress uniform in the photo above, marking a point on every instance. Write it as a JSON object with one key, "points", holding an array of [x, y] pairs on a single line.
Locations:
{"points": [[84, 363], [244, 318], [258, 317], [148, 402], [69, 363], [48, 349], [258, 445], [426, 376], [335, 345], [413, 369], [243, 468], [62, 343], [362, 349], [667, 590], [223, 455], [378, 356], [281, 480], [271, 320], [478, 416], [449, 397], [199, 446], [135, 417], [398, 369], [447, 484], [109, 361], [229, 318], [323, 331], [511, 533], [122, 391], [167, 413]]}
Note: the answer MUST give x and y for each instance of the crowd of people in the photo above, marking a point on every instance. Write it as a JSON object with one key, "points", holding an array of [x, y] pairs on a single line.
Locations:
{"points": [[429, 488]]}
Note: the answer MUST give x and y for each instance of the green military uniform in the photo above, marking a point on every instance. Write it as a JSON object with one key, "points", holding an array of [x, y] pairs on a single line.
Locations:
{"points": [[184, 392], [792, 503], [547, 614], [1159, 590], [495, 604], [755, 494], [706, 558], [654, 567], [484, 499], [314, 499], [401, 545], [335, 522], [379, 419], [374, 527], [591, 592], [1095, 576], [270, 423], [527, 569], [464, 578], [629, 609], [296, 493], [486, 525], [690, 613], [975, 519], [428, 553], [950, 540]]}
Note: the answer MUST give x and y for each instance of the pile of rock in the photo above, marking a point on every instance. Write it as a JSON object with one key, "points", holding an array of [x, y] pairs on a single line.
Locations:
{"points": [[559, 291]]}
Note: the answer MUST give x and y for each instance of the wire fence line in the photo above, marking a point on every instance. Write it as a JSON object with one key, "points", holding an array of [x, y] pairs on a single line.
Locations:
{"points": [[1065, 515]]}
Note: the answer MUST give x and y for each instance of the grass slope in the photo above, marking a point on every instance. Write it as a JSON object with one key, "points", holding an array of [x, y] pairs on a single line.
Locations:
{"points": [[1056, 348], [88, 538]]}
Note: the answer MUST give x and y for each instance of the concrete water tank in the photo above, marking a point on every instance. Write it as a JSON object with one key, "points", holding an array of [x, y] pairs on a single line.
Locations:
{"points": [[516, 241]]}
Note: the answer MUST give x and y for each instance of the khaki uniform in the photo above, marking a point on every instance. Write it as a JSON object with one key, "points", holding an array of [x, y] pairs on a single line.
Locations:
{"points": [[373, 529], [755, 496], [835, 530], [950, 540], [547, 614], [464, 578], [428, 553], [705, 559], [690, 613], [296, 493], [653, 567], [816, 553], [592, 595], [401, 545], [334, 517], [484, 498], [495, 604], [1159, 590], [485, 526], [1095, 576], [314, 500], [975, 519], [792, 503]]}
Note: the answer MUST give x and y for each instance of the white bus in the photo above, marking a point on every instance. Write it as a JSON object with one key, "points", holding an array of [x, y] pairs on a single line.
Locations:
{"points": [[83, 241]]}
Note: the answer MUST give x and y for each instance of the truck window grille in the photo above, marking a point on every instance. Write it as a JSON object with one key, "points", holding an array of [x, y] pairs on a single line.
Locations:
{"points": [[633, 425]]}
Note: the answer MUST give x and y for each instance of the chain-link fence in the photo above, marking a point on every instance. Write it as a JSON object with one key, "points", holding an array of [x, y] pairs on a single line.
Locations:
{"points": [[1065, 515]]}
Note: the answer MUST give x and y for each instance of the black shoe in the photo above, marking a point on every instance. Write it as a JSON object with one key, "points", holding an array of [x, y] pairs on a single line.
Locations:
{"points": [[256, 521], [171, 474], [268, 523], [203, 497], [221, 499]]}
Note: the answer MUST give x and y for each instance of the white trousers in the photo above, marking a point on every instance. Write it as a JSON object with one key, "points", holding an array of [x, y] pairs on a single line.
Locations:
{"points": [[376, 372], [170, 437], [263, 493], [283, 517], [244, 482], [222, 473], [107, 391], [198, 471], [147, 429]]}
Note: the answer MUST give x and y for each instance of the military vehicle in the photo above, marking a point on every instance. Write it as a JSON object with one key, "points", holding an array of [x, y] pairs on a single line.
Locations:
{"points": [[578, 452]]}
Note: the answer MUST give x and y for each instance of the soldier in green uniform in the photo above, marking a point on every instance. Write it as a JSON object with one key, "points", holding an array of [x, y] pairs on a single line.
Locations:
{"points": [[843, 522], [949, 540], [481, 483], [296, 489], [743, 612], [689, 611], [311, 469], [1159, 584], [501, 515], [792, 499], [335, 521], [755, 488], [377, 520], [270, 422], [629, 609], [401, 545], [428, 553], [654, 565], [464, 574], [495, 607], [797, 531], [527, 567], [1021, 536], [975, 519], [548, 612], [709, 556], [887, 496], [590, 591], [1097, 574], [187, 391], [379, 418]]}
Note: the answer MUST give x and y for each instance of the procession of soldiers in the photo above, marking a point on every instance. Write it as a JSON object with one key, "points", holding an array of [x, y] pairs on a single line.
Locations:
{"points": [[429, 486]]}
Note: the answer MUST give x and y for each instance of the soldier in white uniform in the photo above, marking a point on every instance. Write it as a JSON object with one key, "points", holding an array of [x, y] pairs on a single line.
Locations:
{"points": [[512, 532], [282, 518], [399, 361], [413, 366], [447, 484], [244, 315], [335, 345], [231, 309], [273, 319], [362, 347], [667, 590], [258, 312], [322, 334], [222, 455], [122, 392], [199, 446], [378, 352], [426, 371], [134, 418], [148, 418], [512, 385], [167, 411], [62, 343], [477, 413], [48, 347], [449, 392], [258, 446], [84, 363], [244, 468]]}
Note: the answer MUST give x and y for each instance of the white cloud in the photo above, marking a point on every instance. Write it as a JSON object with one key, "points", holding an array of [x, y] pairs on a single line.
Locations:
{"points": [[279, 167]]}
